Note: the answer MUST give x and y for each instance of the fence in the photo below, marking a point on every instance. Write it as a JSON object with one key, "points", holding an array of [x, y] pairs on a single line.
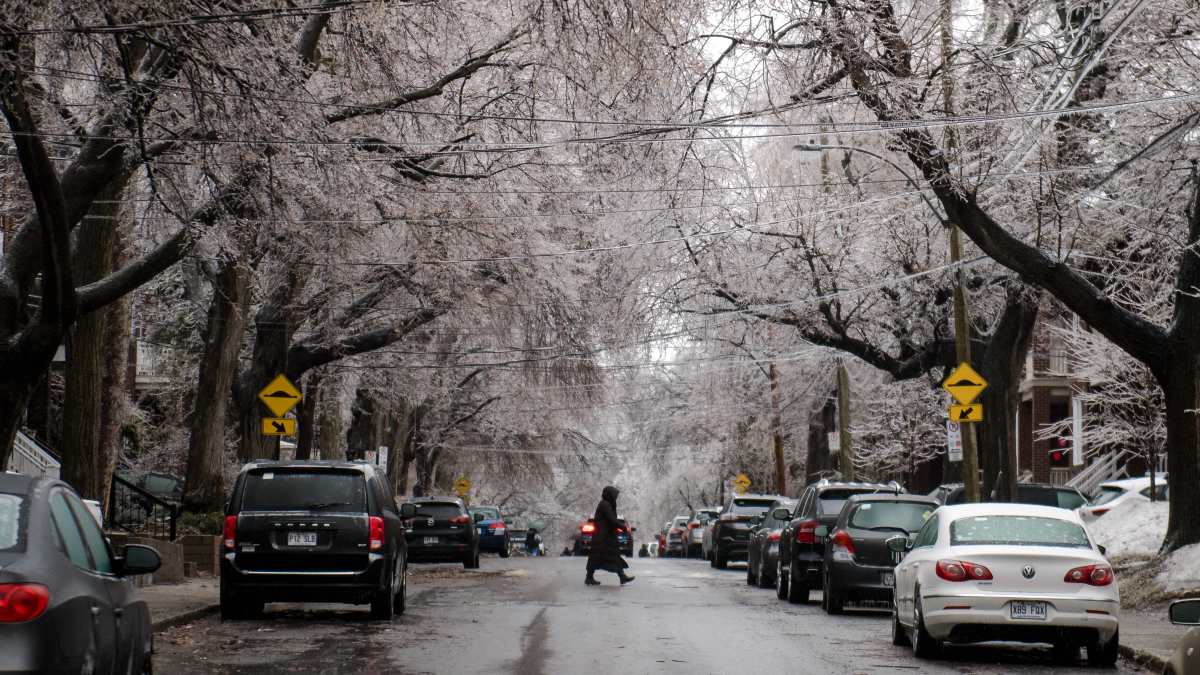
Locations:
{"points": [[136, 511]]}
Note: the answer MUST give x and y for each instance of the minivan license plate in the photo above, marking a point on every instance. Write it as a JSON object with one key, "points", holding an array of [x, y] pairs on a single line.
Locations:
{"points": [[302, 538], [1028, 610]]}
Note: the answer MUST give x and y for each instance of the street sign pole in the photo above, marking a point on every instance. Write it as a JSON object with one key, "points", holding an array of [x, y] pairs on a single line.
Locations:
{"points": [[962, 349]]}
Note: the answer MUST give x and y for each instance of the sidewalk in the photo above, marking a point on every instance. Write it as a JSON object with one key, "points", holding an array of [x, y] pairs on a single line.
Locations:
{"points": [[1149, 637], [174, 604]]}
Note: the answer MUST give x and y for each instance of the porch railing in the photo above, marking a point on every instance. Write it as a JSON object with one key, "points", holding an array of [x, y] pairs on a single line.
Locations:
{"points": [[136, 511]]}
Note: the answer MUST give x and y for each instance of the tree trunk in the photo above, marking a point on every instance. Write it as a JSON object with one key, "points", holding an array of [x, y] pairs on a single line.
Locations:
{"points": [[14, 396], [116, 388], [819, 426], [330, 439], [1001, 365], [84, 461], [396, 441], [366, 424], [307, 418], [204, 483], [1181, 387]]}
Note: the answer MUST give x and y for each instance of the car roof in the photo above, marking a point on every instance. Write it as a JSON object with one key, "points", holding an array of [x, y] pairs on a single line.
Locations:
{"points": [[309, 464], [956, 511], [758, 496], [435, 499], [890, 497], [15, 483], [1130, 483], [842, 485]]}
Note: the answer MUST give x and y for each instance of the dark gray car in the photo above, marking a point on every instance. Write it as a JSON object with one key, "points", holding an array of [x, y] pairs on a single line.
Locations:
{"points": [[858, 564]]}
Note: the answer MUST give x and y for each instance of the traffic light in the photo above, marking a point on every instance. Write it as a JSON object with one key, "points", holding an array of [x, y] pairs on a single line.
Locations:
{"points": [[1059, 454]]}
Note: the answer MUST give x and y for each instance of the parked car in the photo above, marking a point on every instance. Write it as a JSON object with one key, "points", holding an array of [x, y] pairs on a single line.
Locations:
{"points": [[65, 602], [942, 491], [1011, 572], [587, 530], [1186, 659], [696, 526], [858, 565], [1044, 494], [1118, 492], [493, 531], [677, 537], [799, 566], [661, 537], [313, 531], [730, 538], [764, 543], [442, 530]]}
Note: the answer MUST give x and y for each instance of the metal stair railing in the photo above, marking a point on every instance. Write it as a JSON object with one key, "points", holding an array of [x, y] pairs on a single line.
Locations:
{"points": [[137, 511]]}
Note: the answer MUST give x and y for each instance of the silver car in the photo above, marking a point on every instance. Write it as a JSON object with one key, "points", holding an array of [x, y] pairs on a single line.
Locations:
{"points": [[1186, 659], [696, 526]]}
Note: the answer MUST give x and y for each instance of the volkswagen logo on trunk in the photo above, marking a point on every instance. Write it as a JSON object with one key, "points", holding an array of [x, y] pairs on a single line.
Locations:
{"points": [[431, 525], [1028, 571]]}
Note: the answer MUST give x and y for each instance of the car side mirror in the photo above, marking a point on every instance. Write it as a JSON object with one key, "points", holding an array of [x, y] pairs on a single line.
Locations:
{"points": [[1102, 549], [1185, 612], [821, 532], [479, 517], [899, 544], [138, 559], [408, 510], [781, 514]]}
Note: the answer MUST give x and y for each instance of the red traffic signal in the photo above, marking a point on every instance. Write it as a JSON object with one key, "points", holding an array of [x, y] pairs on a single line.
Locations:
{"points": [[1059, 453]]}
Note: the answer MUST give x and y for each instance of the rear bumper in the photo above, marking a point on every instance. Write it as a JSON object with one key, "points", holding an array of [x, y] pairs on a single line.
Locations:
{"points": [[438, 552], [350, 586], [734, 547], [859, 580], [493, 542], [1080, 620]]}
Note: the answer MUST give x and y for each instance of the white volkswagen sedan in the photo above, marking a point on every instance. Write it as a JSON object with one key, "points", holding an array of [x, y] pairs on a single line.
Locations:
{"points": [[1005, 572]]}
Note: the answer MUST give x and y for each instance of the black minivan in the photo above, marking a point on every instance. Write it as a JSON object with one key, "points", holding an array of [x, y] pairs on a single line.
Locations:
{"points": [[313, 531]]}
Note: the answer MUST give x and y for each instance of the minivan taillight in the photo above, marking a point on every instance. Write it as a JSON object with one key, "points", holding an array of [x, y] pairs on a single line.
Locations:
{"points": [[806, 531], [230, 532], [1092, 575], [376, 537], [22, 602]]}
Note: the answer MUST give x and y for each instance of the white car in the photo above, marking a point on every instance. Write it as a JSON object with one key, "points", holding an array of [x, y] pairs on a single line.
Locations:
{"points": [[1005, 572], [1118, 492]]}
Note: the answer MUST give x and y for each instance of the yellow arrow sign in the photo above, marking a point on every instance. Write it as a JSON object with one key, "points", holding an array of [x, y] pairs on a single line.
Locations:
{"points": [[278, 427], [741, 483], [964, 384], [280, 396], [966, 413], [462, 486]]}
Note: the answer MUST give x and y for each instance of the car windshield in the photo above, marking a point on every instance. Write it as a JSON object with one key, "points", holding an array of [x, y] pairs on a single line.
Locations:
{"points": [[10, 521], [1107, 494], [751, 507], [438, 509], [1017, 531], [906, 516], [304, 491], [487, 512]]}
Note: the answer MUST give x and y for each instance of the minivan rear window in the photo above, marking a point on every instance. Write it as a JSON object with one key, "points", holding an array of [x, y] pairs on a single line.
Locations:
{"points": [[305, 491], [10, 522]]}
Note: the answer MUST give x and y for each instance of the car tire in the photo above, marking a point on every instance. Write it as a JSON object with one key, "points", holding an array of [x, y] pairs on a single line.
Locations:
{"points": [[232, 609], [924, 646], [383, 601], [504, 549], [781, 581], [765, 580], [831, 600], [1065, 652], [401, 602], [899, 636], [1105, 655], [721, 561], [797, 592], [751, 578]]}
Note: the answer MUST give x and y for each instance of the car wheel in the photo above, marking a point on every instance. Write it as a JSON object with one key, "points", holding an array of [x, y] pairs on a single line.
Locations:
{"points": [[721, 561], [1105, 655], [383, 601], [923, 644], [504, 553], [765, 580], [797, 592], [751, 578], [1065, 652], [831, 601], [899, 636], [231, 608], [781, 581], [401, 602]]}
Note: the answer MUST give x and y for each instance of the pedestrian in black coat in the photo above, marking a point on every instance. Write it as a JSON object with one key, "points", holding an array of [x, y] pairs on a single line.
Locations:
{"points": [[605, 553]]}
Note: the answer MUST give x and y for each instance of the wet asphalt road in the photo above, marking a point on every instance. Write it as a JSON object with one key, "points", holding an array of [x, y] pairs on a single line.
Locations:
{"points": [[535, 616]]}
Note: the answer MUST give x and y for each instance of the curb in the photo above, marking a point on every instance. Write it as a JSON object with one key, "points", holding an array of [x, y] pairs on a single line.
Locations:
{"points": [[184, 617], [1143, 658]]}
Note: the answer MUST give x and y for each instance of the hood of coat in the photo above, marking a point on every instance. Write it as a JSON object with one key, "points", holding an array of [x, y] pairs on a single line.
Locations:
{"points": [[610, 495]]}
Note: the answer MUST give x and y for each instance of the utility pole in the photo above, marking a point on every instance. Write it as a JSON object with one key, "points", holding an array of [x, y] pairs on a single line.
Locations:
{"points": [[846, 451], [962, 332], [777, 432]]}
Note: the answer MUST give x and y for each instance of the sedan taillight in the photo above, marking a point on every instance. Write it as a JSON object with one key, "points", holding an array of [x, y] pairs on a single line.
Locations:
{"points": [[375, 539], [806, 531], [230, 532], [961, 570], [843, 546], [1093, 575], [1099, 512], [460, 520], [587, 528], [22, 602]]}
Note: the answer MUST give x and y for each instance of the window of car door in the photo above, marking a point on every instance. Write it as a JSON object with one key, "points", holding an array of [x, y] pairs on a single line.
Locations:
{"points": [[69, 533], [92, 536], [928, 535]]}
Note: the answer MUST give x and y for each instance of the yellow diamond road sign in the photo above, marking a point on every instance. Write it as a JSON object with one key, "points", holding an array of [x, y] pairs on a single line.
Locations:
{"points": [[741, 483], [964, 384], [280, 396], [278, 427], [462, 486], [966, 413]]}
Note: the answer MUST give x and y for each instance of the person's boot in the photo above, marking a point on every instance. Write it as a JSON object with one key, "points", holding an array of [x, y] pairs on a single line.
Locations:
{"points": [[625, 578], [591, 579]]}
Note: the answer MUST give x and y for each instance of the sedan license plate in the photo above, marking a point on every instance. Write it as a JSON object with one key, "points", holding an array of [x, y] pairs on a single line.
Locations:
{"points": [[1035, 611], [889, 579], [302, 538], [431, 541]]}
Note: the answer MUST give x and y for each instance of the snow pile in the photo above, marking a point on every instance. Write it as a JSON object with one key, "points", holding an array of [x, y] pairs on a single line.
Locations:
{"points": [[1181, 570], [1133, 528]]}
